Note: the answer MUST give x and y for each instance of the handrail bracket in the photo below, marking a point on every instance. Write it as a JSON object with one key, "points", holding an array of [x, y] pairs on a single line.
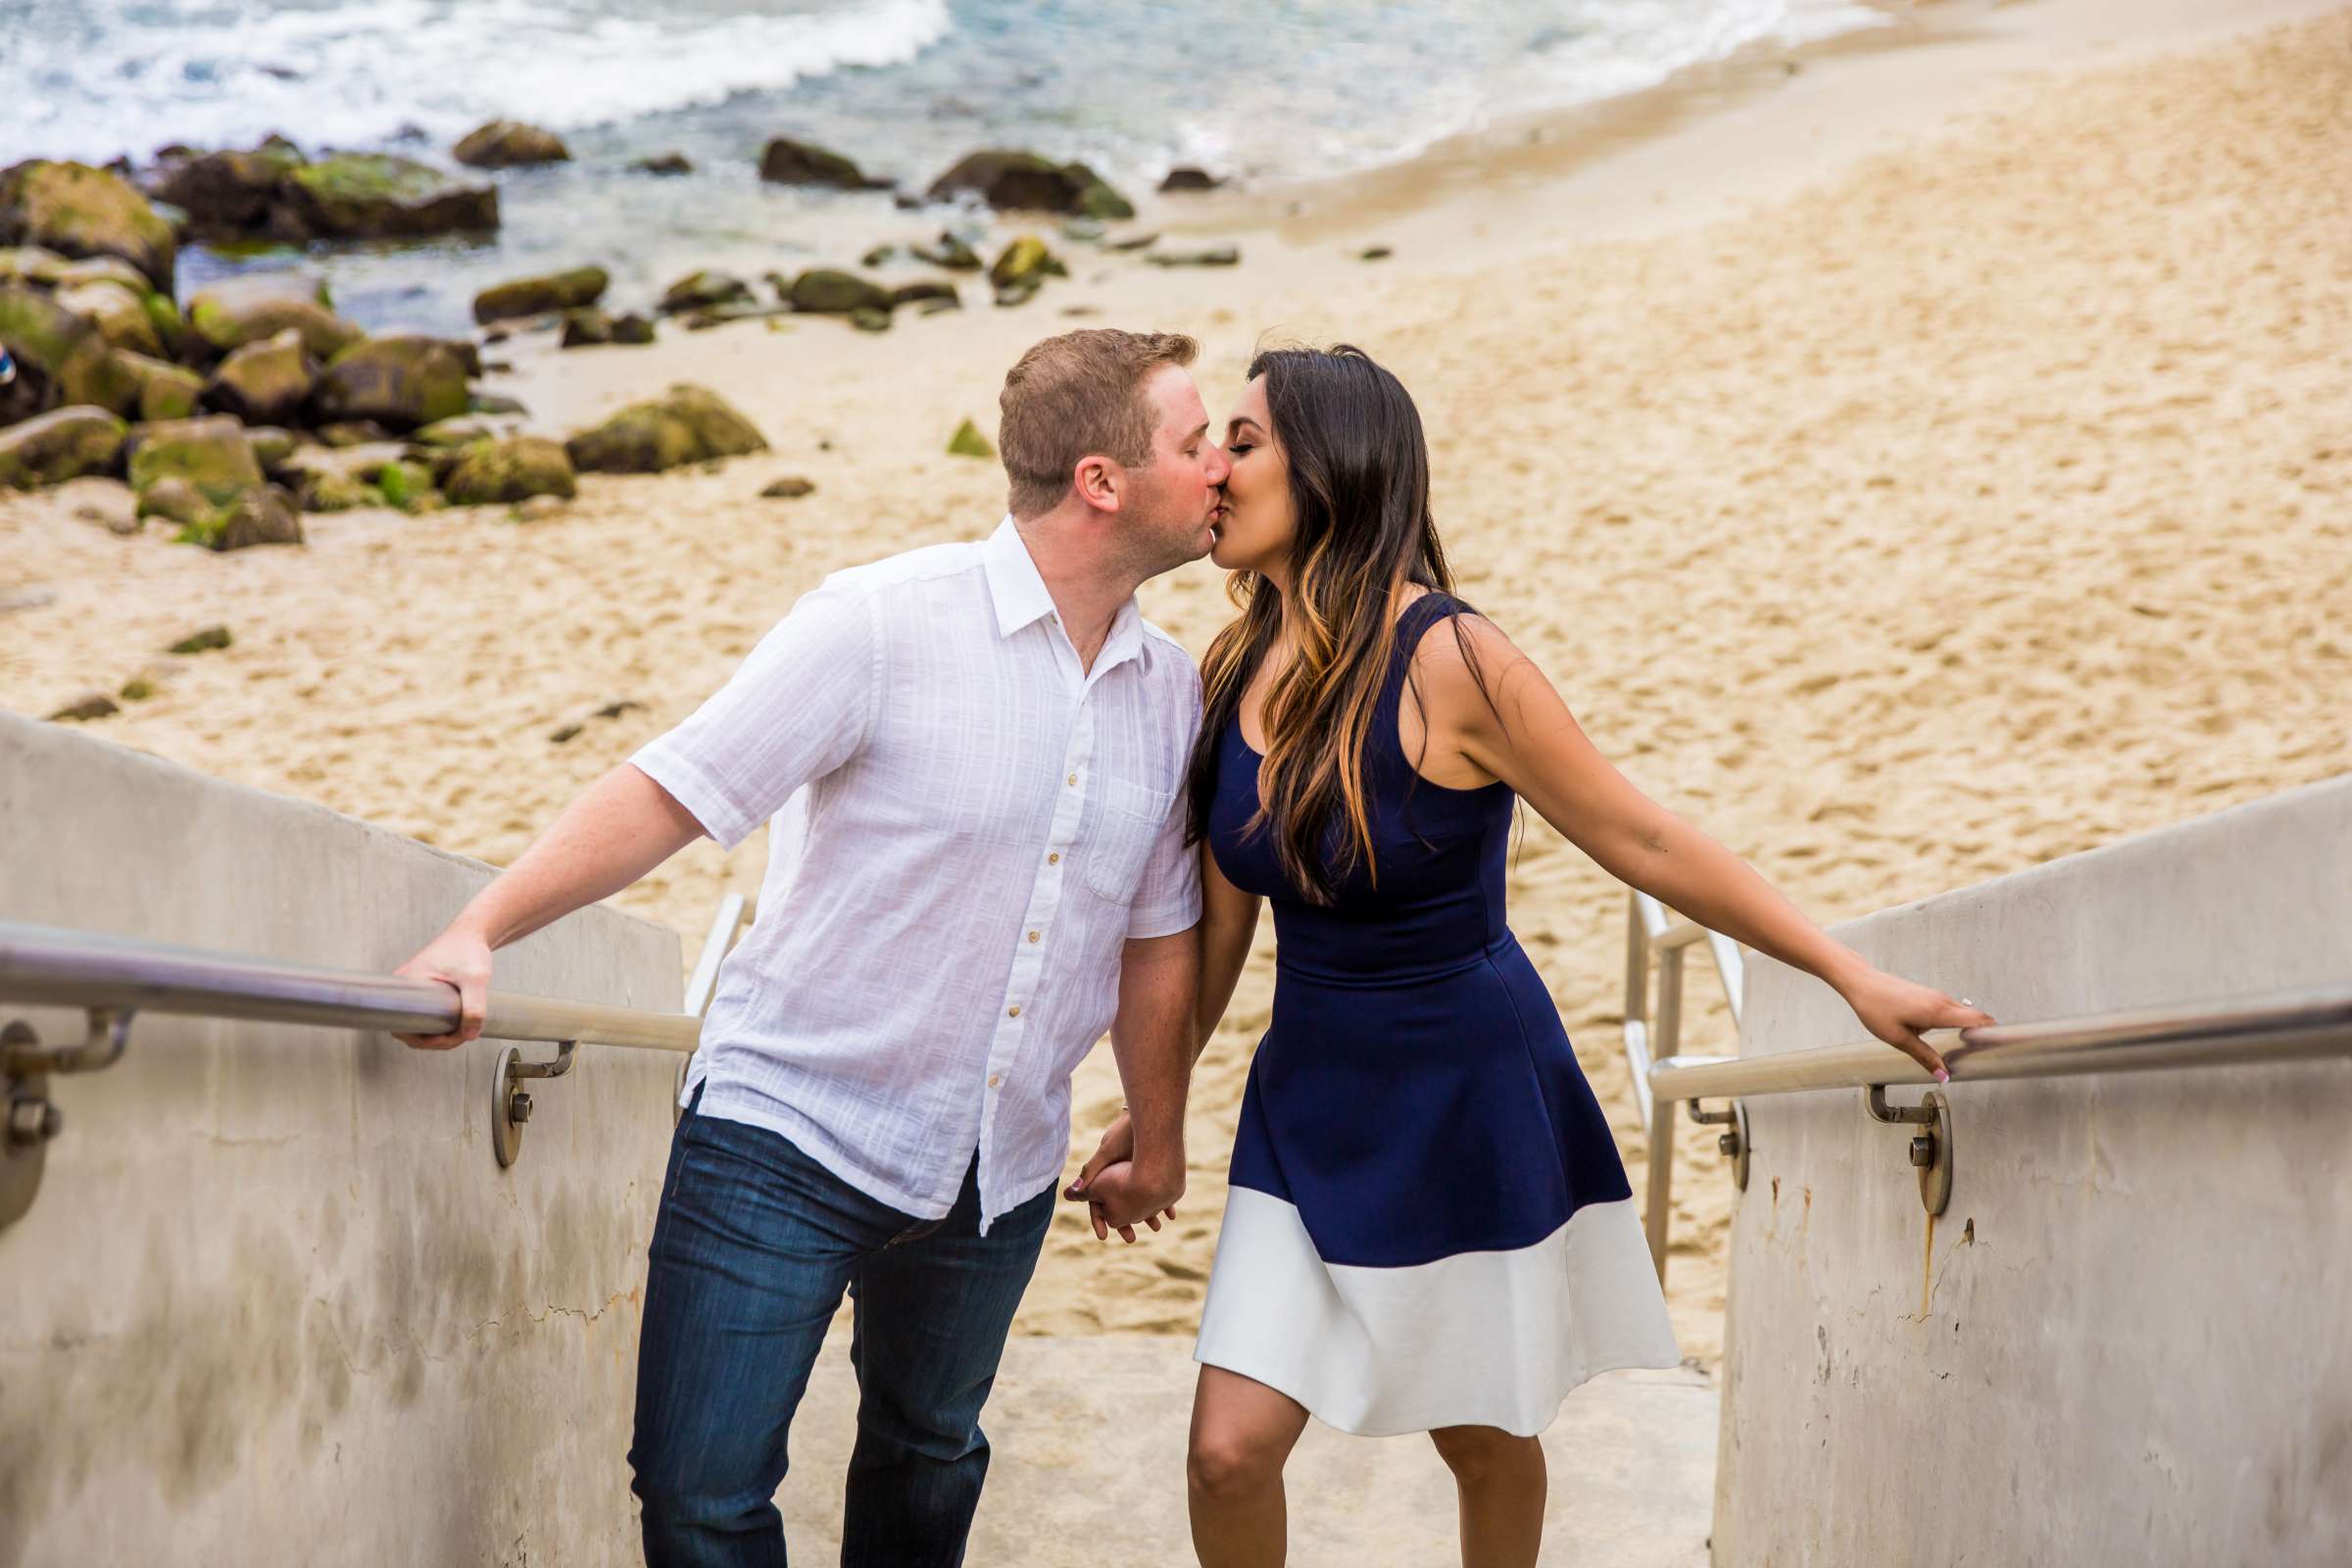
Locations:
{"points": [[1733, 1142], [33, 1119], [1930, 1151], [510, 1103]]}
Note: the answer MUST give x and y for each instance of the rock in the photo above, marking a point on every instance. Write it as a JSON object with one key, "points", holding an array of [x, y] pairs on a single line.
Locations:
{"points": [[52, 448], [498, 403], [266, 382], [101, 269], [1185, 177], [322, 491], [1025, 263], [950, 253], [879, 256], [791, 489], [1019, 179], [347, 433], [378, 196], [273, 283], [798, 163], [494, 472], [461, 431], [704, 288], [1132, 242], [1219, 256], [137, 689], [539, 509], [870, 319], [702, 321], [687, 424], [1374, 252], [273, 448], [166, 391], [927, 290], [208, 640], [968, 442], [934, 307], [406, 485], [175, 499], [510, 144], [663, 163], [95, 705], [39, 331], [535, 296], [399, 383], [632, 329], [469, 353], [228, 194], [78, 211], [210, 454], [585, 328], [101, 377], [828, 292], [227, 323], [120, 313], [31, 264], [263, 516]]}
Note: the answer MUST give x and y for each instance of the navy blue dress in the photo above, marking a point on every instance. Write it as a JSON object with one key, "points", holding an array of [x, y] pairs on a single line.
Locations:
{"points": [[1428, 1223]]}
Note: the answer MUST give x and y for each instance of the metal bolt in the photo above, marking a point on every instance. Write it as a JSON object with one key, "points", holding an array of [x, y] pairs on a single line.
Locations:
{"points": [[1729, 1143], [1923, 1152], [519, 1109], [33, 1122]]}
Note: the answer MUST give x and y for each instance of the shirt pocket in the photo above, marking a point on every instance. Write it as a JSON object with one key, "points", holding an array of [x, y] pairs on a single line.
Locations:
{"points": [[1130, 822]]}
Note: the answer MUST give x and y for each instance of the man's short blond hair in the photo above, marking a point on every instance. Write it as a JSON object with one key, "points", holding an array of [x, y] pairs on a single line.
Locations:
{"points": [[1076, 396]]}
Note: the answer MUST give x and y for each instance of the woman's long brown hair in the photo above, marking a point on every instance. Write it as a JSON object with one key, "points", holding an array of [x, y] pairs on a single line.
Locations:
{"points": [[1359, 484]]}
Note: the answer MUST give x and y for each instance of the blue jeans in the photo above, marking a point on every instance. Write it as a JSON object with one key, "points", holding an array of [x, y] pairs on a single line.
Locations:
{"points": [[753, 1249]]}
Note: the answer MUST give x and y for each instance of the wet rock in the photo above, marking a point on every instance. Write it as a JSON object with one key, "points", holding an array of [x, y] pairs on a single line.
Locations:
{"points": [[1025, 263], [101, 377], [266, 382], [787, 162], [498, 403], [228, 194], [322, 491], [211, 639], [1184, 177], [919, 293], [663, 163], [378, 196], [166, 391], [76, 211], [227, 321], [510, 144], [1132, 242], [790, 489], [1011, 179], [702, 321], [1217, 256], [210, 454], [687, 424], [968, 442], [273, 448], [31, 264], [399, 383], [494, 472], [879, 256], [950, 253], [137, 689], [826, 291], [406, 485], [1374, 252], [40, 332], [700, 290], [119, 313], [101, 269], [263, 516], [870, 319], [348, 433], [95, 705], [585, 328], [535, 296], [461, 431], [632, 329], [52, 448], [176, 500], [934, 307]]}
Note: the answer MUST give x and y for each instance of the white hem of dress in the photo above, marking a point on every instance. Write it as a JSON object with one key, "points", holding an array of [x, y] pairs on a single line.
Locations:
{"points": [[1494, 1339]]}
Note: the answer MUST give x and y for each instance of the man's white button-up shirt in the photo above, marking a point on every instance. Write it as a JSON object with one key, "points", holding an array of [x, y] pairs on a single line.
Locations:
{"points": [[969, 827]]}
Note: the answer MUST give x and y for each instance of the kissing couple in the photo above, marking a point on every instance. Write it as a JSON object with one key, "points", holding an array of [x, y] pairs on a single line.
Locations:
{"points": [[1011, 814]]}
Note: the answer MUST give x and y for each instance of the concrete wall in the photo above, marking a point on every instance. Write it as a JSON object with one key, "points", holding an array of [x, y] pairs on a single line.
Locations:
{"points": [[2129, 1338], [276, 1301]]}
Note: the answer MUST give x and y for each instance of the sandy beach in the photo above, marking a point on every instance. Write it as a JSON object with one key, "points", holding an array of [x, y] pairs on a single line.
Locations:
{"points": [[1911, 468]]}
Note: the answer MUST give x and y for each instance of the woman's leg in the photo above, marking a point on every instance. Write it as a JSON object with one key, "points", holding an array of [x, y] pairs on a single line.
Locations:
{"points": [[1242, 1433], [1500, 1479]]}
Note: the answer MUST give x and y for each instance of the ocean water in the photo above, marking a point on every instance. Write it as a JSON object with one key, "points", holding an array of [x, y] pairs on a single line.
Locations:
{"points": [[1265, 90]]}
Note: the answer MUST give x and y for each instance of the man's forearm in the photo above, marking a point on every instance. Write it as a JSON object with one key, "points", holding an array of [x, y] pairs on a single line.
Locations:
{"points": [[619, 828], [1152, 1040]]}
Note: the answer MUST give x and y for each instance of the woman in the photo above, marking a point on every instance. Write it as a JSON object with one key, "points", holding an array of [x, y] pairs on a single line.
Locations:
{"points": [[1428, 1227]]}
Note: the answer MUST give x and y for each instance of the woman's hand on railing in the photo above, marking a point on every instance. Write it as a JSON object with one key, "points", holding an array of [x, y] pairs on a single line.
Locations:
{"points": [[1898, 1011], [461, 957]]}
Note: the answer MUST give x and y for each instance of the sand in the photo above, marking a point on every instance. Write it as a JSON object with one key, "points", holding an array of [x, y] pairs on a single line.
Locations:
{"points": [[1911, 469]]}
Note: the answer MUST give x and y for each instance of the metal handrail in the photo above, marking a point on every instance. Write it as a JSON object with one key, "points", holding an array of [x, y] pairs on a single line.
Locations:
{"points": [[41, 965], [1648, 930]]}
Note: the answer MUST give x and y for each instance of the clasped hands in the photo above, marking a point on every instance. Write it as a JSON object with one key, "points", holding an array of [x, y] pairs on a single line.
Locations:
{"points": [[1121, 1193]]}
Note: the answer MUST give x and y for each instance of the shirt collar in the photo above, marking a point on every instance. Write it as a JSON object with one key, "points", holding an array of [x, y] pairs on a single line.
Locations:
{"points": [[1021, 599]]}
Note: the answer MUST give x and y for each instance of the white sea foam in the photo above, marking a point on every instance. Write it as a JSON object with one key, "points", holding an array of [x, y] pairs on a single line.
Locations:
{"points": [[91, 78]]}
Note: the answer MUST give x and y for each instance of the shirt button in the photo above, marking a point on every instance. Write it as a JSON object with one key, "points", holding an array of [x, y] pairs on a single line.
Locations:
{"points": [[994, 1078], [1054, 858], [1074, 778], [1013, 1012], [1033, 936]]}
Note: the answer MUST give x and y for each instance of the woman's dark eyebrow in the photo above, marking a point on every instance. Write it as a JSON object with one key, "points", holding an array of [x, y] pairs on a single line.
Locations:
{"points": [[1237, 420]]}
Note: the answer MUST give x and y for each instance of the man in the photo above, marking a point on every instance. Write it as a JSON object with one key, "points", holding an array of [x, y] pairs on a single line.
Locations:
{"points": [[982, 748]]}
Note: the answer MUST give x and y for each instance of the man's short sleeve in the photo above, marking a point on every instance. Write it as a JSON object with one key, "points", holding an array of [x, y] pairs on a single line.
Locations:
{"points": [[1168, 900], [797, 708]]}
